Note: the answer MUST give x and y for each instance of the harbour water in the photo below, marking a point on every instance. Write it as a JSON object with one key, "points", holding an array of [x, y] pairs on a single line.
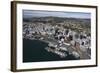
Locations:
{"points": [[34, 51]]}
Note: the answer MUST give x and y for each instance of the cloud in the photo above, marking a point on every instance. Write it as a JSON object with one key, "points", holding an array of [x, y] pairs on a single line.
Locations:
{"points": [[38, 13]]}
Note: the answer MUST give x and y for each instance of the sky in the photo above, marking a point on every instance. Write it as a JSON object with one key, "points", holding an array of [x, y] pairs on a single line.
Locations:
{"points": [[41, 13]]}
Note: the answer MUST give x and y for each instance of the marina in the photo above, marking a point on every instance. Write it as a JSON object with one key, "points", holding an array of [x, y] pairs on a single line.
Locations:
{"points": [[56, 38]]}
